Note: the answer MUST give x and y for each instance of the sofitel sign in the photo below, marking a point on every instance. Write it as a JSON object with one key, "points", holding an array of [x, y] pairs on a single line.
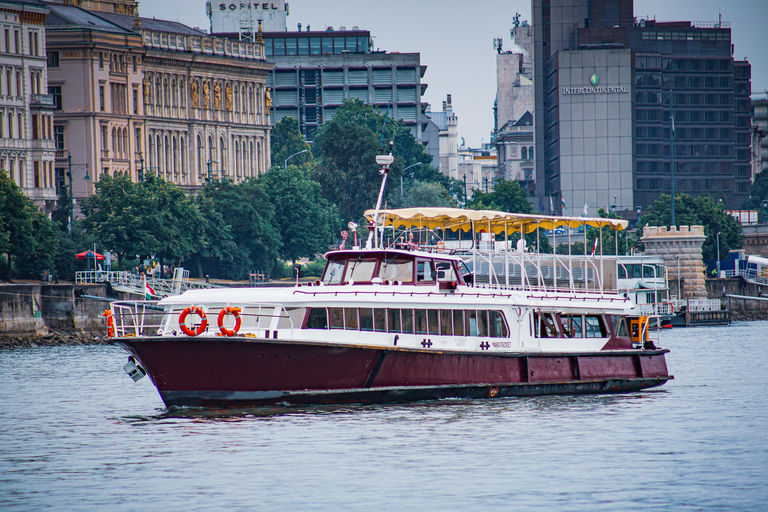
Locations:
{"points": [[264, 6], [594, 80]]}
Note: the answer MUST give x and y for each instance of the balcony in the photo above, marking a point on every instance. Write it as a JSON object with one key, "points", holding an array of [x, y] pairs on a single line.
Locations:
{"points": [[42, 101]]}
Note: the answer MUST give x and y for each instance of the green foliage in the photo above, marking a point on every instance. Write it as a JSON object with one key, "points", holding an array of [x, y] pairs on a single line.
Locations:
{"points": [[427, 195], [507, 196], [758, 193], [302, 216], [287, 140], [347, 146], [26, 234], [315, 268], [698, 211]]}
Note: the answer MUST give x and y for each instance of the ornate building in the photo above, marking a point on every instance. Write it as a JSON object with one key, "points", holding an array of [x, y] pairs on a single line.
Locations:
{"points": [[26, 110], [137, 95]]}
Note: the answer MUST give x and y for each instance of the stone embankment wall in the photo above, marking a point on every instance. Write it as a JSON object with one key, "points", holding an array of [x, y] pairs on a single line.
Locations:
{"points": [[741, 309], [39, 309], [684, 243]]}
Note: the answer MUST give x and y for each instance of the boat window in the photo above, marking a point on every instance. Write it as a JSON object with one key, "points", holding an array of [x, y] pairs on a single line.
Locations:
{"points": [[593, 327], [432, 322], [366, 319], [425, 271], [333, 272], [547, 326], [572, 326], [398, 269], [446, 322], [458, 323], [380, 319], [350, 318], [360, 270], [336, 318], [408, 321], [394, 320], [471, 323], [482, 323], [497, 325], [620, 326], [317, 318], [421, 321]]}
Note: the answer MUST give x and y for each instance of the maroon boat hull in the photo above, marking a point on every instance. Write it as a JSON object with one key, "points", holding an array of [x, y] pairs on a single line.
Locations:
{"points": [[242, 372]]}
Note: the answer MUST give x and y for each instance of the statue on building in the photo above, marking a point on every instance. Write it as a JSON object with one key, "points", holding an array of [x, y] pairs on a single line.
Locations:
{"points": [[193, 92], [206, 94], [147, 83], [217, 96], [267, 100], [228, 92]]}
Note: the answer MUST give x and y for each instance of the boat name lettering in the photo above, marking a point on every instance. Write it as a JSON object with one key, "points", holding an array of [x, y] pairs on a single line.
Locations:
{"points": [[502, 344]]}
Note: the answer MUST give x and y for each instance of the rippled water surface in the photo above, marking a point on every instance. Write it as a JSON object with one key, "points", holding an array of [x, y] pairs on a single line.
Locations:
{"points": [[77, 434]]}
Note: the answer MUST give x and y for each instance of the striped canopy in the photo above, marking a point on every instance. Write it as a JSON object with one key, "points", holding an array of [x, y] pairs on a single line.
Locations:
{"points": [[484, 220]]}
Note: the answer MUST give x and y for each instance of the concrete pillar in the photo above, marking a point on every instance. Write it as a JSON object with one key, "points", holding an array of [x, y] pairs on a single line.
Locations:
{"points": [[684, 242]]}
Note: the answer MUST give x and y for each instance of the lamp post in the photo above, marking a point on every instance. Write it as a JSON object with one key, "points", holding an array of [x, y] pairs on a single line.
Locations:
{"points": [[141, 169], [293, 155], [718, 254], [465, 189], [401, 177]]}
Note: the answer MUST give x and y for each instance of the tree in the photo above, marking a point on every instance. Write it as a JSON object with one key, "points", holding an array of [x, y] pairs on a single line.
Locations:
{"points": [[347, 147], [287, 140], [507, 196], [758, 193], [698, 211], [301, 213], [218, 249], [428, 195], [152, 217], [27, 236]]}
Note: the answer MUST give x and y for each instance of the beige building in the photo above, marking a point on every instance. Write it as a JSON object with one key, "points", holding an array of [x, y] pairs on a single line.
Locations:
{"points": [[26, 110], [137, 95]]}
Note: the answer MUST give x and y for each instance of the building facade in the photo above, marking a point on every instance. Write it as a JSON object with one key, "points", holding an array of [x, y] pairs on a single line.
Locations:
{"points": [[315, 71], [443, 128], [146, 95], [759, 133], [26, 109], [607, 86]]}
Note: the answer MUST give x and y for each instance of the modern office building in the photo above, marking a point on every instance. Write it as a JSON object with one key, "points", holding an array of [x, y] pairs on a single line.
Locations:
{"points": [[315, 71], [136, 95], [26, 109], [759, 133], [607, 86]]}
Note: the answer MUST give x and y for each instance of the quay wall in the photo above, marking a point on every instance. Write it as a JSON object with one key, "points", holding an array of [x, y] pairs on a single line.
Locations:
{"points": [[36, 309], [741, 309]]}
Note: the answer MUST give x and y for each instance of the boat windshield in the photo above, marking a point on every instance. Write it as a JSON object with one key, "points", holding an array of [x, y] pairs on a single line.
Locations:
{"points": [[333, 272], [398, 269], [360, 270]]}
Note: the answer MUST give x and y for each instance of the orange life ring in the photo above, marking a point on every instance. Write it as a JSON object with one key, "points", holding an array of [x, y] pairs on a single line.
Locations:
{"points": [[441, 246], [197, 311], [229, 311], [110, 323]]}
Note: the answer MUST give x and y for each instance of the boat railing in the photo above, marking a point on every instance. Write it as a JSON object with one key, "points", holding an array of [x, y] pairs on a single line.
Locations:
{"points": [[135, 282], [666, 308], [697, 304], [150, 318], [543, 272], [750, 274]]}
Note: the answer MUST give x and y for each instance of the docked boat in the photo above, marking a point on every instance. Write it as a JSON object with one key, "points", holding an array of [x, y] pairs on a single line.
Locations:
{"points": [[407, 317]]}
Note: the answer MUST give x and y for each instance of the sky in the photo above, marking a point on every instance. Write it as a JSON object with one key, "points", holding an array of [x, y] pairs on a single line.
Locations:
{"points": [[455, 39]]}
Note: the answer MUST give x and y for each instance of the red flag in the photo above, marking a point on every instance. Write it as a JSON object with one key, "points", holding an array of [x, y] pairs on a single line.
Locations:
{"points": [[594, 248]]}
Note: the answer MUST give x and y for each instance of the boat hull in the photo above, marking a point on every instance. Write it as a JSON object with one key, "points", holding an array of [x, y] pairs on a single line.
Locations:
{"points": [[247, 372]]}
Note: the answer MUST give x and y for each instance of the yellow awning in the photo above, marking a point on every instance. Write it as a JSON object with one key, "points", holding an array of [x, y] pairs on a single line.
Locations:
{"points": [[485, 220]]}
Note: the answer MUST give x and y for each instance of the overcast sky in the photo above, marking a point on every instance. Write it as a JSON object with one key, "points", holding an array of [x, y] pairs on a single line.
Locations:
{"points": [[455, 38]]}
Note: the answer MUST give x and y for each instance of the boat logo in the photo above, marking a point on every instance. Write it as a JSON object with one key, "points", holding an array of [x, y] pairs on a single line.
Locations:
{"points": [[594, 79]]}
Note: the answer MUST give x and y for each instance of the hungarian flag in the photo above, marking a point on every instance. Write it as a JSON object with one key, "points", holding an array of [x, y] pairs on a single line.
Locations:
{"points": [[562, 201], [148, 291], [594, 248]]}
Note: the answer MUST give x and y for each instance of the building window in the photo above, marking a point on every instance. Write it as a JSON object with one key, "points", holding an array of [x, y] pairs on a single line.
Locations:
{"points": [[135, 100], [102, 107], [58, 136], [53, 59], [101, 60], [55, 91]]}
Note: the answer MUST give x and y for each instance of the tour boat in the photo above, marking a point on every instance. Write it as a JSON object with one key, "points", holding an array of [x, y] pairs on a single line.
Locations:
{"points": [[415, 314]]}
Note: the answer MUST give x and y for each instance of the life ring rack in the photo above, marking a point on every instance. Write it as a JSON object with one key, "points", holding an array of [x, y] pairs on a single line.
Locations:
{"points": [[194, 310], [229, 311], [110, 323]]}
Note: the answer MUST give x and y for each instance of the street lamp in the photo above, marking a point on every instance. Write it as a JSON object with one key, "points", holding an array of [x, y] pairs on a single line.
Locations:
{"points": [[401, 177], [718, 253], [293, 155], [465, 189]]}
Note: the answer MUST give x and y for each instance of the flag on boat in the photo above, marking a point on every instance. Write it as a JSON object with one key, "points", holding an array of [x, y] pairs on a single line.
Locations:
{"points": [[562, 200], [594, 248], [148, 290], [586, 210]]}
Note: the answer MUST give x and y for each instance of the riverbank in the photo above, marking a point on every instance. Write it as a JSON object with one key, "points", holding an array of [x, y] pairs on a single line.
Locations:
{"points": [[52, 339]]}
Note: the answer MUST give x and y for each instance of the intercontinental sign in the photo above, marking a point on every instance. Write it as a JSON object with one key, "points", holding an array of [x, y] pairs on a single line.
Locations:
{"points": [[594, 80]]}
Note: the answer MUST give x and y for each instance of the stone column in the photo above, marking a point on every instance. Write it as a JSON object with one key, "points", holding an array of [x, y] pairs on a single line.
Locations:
{"points": [[684, 242]]}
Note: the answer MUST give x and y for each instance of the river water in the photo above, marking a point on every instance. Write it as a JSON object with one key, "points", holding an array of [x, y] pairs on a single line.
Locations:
{"points": [[77, 434]]}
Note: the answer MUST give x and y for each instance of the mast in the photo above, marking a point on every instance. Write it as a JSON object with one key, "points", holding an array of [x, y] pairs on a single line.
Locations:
{"points": [[384, 161]]}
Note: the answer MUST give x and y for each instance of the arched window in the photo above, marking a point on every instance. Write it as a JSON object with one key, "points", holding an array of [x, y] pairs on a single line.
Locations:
{"points": [[524, 153], [182, 158], [222, 157], [175, 166], [167, 159], [158, 154], [251, 160], [530, 153]]}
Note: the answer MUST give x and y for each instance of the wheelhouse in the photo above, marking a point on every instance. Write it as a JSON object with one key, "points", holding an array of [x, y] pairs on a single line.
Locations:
{"points": [[395, 267]]}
